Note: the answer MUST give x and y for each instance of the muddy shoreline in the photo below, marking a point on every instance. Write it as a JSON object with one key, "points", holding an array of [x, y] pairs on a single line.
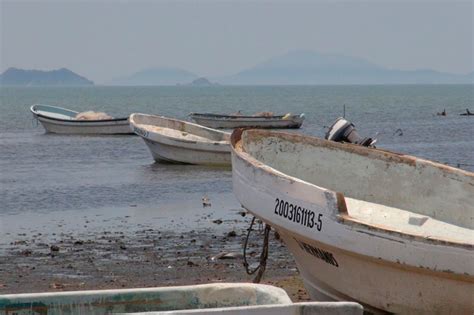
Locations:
{"points": [[147, 257]]}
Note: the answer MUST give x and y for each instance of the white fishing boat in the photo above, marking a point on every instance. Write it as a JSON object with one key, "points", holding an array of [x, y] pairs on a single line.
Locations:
{"points": [[214, 298], [390, 231], [252, 121], [60, 120], [178, 141]]}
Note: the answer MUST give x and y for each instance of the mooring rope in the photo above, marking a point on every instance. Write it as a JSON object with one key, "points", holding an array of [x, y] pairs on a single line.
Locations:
{"points": [[263, 256]]}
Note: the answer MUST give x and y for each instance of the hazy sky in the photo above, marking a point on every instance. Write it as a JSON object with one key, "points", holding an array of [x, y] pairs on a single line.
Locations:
{"points": [[106, 39]]}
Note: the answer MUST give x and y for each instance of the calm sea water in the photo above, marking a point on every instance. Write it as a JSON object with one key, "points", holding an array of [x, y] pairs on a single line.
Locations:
{"points": [[46, 176]]}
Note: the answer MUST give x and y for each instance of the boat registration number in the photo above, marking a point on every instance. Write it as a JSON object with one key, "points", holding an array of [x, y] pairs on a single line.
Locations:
{"points": [[297, 214]]}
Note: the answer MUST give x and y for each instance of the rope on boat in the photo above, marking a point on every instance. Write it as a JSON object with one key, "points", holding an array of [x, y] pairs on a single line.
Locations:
{"points": [[263, 256]]}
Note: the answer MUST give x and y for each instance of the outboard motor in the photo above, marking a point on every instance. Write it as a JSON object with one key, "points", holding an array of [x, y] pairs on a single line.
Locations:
{"points": [[344, 131]]}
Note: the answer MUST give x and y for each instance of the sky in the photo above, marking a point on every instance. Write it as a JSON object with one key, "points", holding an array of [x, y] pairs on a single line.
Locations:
{"points": [[103, 40]]}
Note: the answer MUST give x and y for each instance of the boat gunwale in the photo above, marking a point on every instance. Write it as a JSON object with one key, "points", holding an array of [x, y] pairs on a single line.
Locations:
{"points": [[80, 121], [343, 216]]}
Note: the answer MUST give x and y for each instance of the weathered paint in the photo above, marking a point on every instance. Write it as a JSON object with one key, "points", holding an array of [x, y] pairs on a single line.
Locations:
{"points": [[179, 141], [400, 245], [305, 308], [142, 300], [62, 121]]}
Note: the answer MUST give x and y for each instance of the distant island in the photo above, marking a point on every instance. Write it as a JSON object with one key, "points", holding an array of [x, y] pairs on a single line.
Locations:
{"points": [[292, 68], [201, 82], [298, 68], [21, 77], [156, 76], [313, 68]]}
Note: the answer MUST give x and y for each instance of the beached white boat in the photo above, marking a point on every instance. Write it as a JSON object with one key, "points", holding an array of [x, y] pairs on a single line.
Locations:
{"points": [[214, 298], [242, 121], [391, 231], [178, 141], [60, 120]]}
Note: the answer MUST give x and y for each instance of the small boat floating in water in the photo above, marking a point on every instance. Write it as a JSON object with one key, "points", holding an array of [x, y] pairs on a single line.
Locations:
{"points": [[177, 141], [390, 231], [249, 121], [64, 121], [467, 113]]}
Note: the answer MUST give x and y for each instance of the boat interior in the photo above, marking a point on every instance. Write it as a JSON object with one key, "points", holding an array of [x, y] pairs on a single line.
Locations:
{"points": [[380, 188], [178, 129], [54, 112]]}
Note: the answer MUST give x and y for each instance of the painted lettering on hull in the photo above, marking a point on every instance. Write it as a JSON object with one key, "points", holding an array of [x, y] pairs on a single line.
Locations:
{"points": [[318, 253]]}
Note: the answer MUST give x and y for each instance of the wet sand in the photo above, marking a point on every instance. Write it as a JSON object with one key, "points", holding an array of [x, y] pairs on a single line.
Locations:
{"points": [[126, 255]]}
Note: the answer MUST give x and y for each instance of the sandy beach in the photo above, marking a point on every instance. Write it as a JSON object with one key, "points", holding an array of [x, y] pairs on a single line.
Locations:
{"points": [[119, 257]]}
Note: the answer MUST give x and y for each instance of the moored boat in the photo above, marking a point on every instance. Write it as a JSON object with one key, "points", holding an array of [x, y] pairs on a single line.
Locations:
{"points": [[247, 121], [173, 140], [390, 231], [64, 121], [467, 113]]}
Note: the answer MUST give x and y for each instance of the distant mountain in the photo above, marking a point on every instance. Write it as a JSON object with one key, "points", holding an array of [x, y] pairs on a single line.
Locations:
{"points": [[310, 68], [201, 82], [14, 76], [156, 76]]}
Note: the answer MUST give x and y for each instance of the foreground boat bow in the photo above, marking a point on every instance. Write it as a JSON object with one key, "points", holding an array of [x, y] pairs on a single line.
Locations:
{"points": [[390, 231]]}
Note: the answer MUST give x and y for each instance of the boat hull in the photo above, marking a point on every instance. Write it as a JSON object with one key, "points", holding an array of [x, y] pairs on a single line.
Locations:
{"points": [[109, 127], [378, 285], [170, 153], [385, 270], [248, 122]]}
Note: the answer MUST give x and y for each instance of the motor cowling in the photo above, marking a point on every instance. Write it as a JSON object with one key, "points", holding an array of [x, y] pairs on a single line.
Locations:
{"points": [[343, 130]]}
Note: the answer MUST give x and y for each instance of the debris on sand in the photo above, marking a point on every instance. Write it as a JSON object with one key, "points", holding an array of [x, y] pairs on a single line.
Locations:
{"points": [[206, 202], [217, 221], [192, 264], [226, 255], [26, 252], [54, 248], [57, 285], [232, 234], [20, 242]]}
